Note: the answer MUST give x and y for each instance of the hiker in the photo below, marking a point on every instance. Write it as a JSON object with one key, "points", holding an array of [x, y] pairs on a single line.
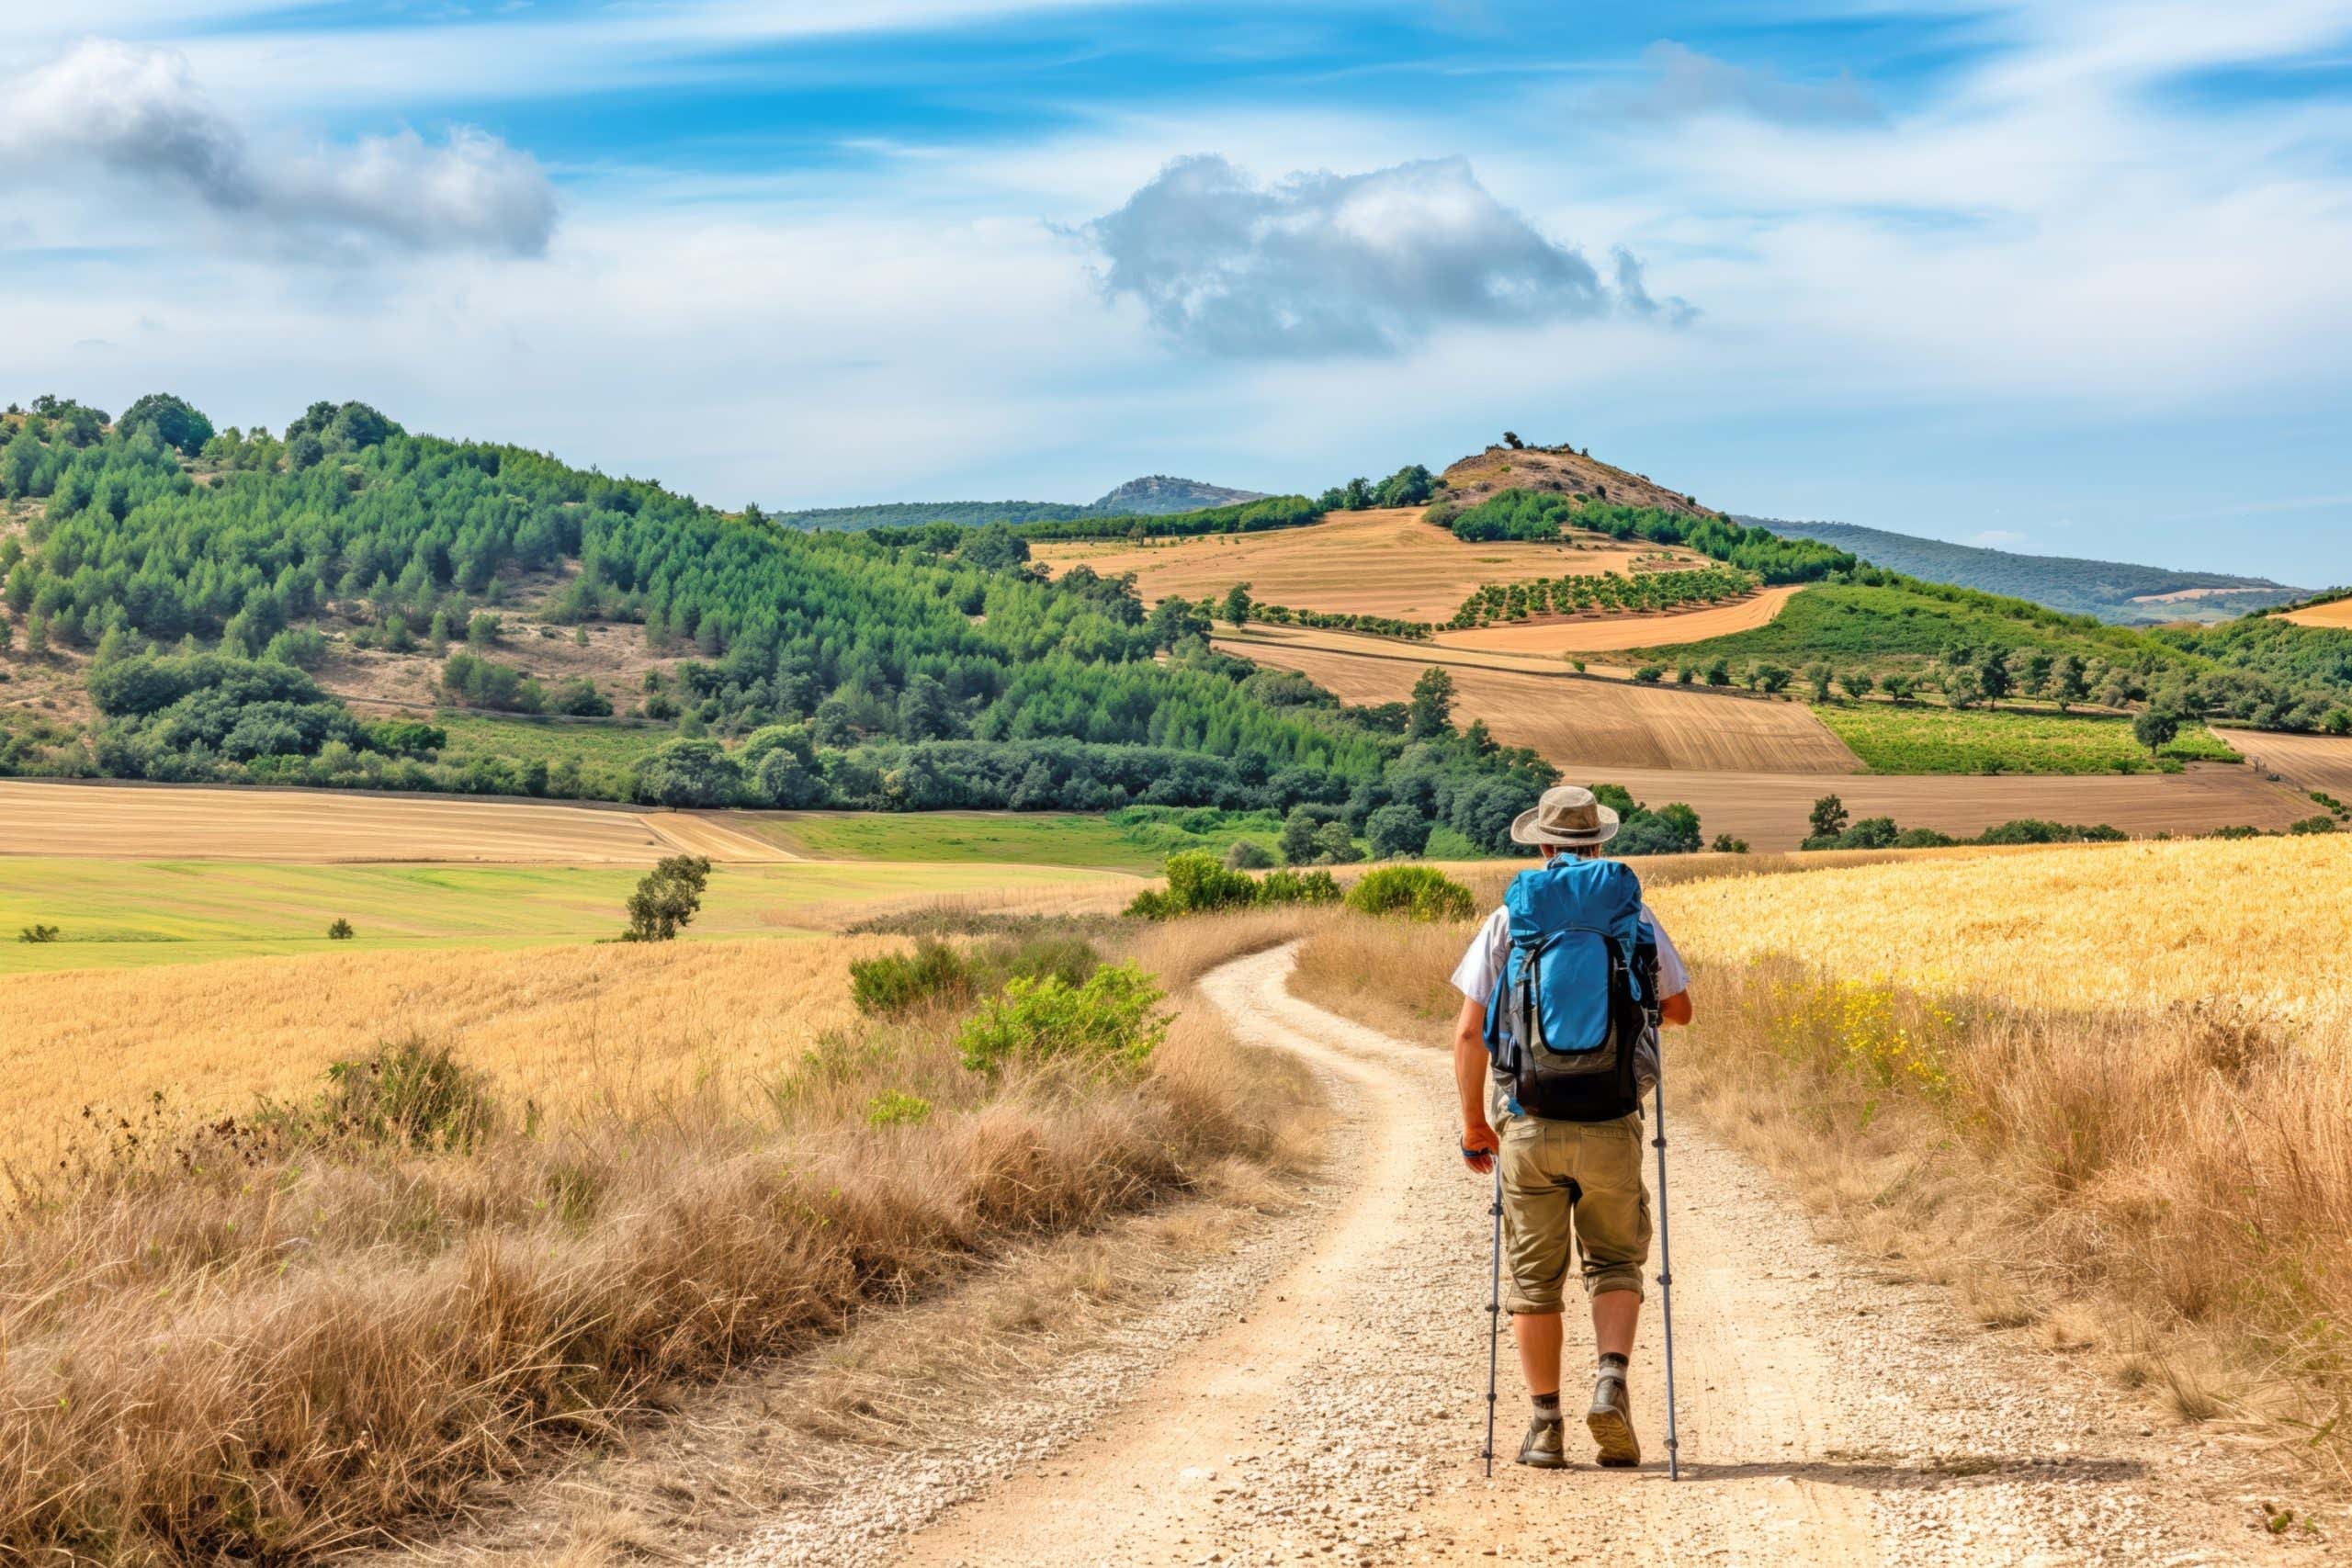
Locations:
{"points": [[1575, 1173]]}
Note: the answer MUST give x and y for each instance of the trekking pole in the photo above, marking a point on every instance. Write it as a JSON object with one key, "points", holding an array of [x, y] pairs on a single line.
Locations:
{"points": [[1665, 1279], [1494, 1315]]}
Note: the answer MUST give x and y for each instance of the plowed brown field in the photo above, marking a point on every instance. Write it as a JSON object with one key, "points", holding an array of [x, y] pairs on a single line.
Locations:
{"points": [[1573, 720], [1380, 563], [2307, 761], [1770, 810], [158, 823]]}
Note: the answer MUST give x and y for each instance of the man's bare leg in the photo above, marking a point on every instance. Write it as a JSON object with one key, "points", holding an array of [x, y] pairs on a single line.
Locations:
{"points": [[1538, 1334], [1614, 1315]]}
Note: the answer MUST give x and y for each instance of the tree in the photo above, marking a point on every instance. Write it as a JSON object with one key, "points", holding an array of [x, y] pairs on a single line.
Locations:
{"points": [[2038, 667], [2070, 684], [341, 931], [1897, 687], [667, 899], [1993, 675], [1297, 841], [1858, 684], [1511, 440], [1235, 608], [175, 422], [1821, 675], [1773, 678], [1719, 671], [1829, 817], [2154, 729], [689, 772], [1962, 688], [1396, 831], [1431, 710], [1334, 845], [1650, 674]]}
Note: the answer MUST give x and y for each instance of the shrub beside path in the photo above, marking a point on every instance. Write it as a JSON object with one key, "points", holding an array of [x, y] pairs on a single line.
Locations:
{"points": [[1829, 1413]]}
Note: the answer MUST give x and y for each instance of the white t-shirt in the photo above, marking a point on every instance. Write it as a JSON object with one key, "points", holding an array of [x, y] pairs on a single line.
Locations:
{"points": [[1481, 969]]}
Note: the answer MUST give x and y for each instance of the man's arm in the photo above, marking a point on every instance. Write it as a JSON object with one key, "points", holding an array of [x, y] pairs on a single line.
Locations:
{"points": [[1675, 1009], [1478, 1140]]}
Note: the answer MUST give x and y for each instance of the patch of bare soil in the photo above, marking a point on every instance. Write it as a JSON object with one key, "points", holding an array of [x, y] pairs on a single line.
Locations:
{"points": [[1562, 470]]}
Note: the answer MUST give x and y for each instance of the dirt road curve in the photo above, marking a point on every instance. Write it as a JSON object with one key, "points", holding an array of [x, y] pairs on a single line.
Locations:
{"points": [[1829, 1415]]}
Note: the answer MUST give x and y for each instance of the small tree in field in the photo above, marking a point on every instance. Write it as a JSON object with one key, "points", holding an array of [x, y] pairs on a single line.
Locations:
{"points": [[1820, 675], [2154, 729], [667, 899], [1858, 684], [1829, 817], [1236, 607], [341, 931]]}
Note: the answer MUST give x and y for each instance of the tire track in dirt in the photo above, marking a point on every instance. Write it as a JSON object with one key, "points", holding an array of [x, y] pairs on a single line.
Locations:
{"points": [[1828, 1414]]}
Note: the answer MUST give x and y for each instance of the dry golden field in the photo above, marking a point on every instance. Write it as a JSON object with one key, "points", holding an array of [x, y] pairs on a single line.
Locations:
{"points": [[1584, 723], [2307, 761], [1386, 562], [2261, 922], [2336, 614], [556, 1023], [198, 823]]}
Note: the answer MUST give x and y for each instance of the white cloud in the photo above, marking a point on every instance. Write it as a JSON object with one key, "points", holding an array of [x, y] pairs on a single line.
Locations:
{"points": [[141, 115], [1323, 264]]}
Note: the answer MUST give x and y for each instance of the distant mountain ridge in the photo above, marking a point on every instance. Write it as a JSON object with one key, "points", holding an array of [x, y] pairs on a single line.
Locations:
{"points": [[2115, 592], [1154, 495]]}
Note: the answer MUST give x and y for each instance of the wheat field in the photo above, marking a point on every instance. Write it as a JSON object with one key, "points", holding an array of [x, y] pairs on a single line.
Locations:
{"points": [[559, 1023], [2262, 922], [2336, 614], [1386, 562]]}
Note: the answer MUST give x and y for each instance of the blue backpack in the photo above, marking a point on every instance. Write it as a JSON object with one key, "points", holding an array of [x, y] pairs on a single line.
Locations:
{"points": [[1577, 992]]}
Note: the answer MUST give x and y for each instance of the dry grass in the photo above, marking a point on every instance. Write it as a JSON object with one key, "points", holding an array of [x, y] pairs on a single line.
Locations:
{"points": [[1382, 563], [566, 1025], [228, 1342], [2103, 1091]]}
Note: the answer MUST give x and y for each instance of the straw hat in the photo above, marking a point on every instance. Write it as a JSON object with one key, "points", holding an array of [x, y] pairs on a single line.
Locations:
{"points": [[1568, 816]]}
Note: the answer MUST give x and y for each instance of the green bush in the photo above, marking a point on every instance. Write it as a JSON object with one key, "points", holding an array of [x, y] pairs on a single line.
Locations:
{"points": [[1112, 1020], [341, 931], [895, 1107], [406, 1093], [1413, 892], [1247, 855], [38, 933], [900, 982], [1288, 887], [1197, 884], [936, 972]]}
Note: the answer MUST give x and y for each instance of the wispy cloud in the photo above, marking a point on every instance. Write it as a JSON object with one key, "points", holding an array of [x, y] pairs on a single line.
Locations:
{"points": [[141, 115], [1323, 264], [1684, 84]]}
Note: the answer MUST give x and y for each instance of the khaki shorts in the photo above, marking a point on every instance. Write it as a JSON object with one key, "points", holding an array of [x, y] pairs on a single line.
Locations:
{"points": [[1579, 1180]]}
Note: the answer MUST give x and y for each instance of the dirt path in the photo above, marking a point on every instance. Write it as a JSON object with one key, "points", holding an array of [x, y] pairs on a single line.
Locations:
{"points": [[1829, 1414]]}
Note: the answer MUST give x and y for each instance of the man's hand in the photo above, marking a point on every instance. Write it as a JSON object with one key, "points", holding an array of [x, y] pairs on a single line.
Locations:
{"points": [[1478, 1147]]}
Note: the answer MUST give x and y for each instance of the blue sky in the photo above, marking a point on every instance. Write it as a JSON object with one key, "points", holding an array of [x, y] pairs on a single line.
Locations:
{"points": [[2071, 279]]}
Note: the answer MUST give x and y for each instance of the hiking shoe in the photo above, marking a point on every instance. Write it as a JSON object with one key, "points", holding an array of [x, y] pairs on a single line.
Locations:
{"points": [[1545, 1448], [1612, 1420]]}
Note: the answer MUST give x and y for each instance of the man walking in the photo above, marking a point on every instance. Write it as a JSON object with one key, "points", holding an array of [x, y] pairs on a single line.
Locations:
{"points": [[1570, 1177]]}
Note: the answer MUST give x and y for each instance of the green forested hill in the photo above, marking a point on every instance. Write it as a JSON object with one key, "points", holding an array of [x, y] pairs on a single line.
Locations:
{"points": [[910, 669], [2111, 590]]}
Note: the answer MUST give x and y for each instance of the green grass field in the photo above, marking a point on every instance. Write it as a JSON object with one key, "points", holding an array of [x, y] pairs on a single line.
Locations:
{"points": [[116, 914], [1913, 739], [1140, 839], [1856, 626], [597, 745]]}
